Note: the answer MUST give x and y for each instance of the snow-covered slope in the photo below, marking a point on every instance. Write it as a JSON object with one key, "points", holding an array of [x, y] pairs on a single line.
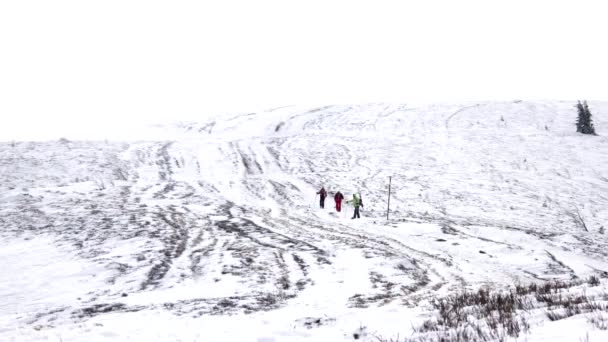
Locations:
{"points": [[212, 231]]}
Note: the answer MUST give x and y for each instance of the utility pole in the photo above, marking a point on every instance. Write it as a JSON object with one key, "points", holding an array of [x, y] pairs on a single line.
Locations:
{"points": [[388, 208]]}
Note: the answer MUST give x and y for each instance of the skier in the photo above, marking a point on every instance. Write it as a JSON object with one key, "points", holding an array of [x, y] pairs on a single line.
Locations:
{"points": [[356, 201], [338, 197], [322, 194]]}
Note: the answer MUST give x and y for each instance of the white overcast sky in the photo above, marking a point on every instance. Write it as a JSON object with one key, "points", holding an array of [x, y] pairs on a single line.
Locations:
{"points": [[89, 63]]}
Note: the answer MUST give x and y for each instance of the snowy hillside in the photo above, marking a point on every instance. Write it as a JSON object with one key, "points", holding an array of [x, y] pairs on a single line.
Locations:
{"points": [[212, 231]]}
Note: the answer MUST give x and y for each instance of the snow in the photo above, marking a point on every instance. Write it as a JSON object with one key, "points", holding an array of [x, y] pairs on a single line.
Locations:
{"points": [[211, 231]]}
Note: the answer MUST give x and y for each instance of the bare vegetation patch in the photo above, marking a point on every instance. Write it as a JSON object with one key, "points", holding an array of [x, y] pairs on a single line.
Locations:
{"points": [[485, 315]]}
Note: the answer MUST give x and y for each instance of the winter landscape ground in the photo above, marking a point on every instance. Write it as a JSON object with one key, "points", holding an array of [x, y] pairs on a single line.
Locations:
{"points": [[210, 231]]}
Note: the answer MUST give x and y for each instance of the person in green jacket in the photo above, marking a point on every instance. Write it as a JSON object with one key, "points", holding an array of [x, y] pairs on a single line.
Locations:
{"points": [[356, 202]]}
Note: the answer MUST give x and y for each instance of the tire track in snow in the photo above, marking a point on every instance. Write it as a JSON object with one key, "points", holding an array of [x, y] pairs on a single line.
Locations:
{"points": [[164, 162], [175, 241], [449, 118]]}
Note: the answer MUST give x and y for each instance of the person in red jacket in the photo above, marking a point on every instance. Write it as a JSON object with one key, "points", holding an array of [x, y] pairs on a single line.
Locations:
{"points": [[338, 197], [322, 193]]}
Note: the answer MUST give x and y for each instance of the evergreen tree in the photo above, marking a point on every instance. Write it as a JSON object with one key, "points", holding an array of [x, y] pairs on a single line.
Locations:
{"points": [[583, 123]]}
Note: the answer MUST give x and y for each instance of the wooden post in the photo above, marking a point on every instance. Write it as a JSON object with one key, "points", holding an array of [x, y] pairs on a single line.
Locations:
{"points": [[388, 208]]}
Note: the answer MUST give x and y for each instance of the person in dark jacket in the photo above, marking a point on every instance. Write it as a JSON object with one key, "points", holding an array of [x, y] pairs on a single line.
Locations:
{"points": [[322, 193], [338, 197]]}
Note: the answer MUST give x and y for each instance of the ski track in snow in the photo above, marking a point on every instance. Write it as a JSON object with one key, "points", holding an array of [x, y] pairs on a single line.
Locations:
{"points": [[222, 219]]}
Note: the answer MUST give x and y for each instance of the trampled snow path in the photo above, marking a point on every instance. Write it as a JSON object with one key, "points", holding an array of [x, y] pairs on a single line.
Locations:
{"points": [[217, 222]]}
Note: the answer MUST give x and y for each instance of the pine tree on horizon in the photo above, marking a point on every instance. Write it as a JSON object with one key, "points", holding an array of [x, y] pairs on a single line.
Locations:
{"points": [[583, 123]]}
